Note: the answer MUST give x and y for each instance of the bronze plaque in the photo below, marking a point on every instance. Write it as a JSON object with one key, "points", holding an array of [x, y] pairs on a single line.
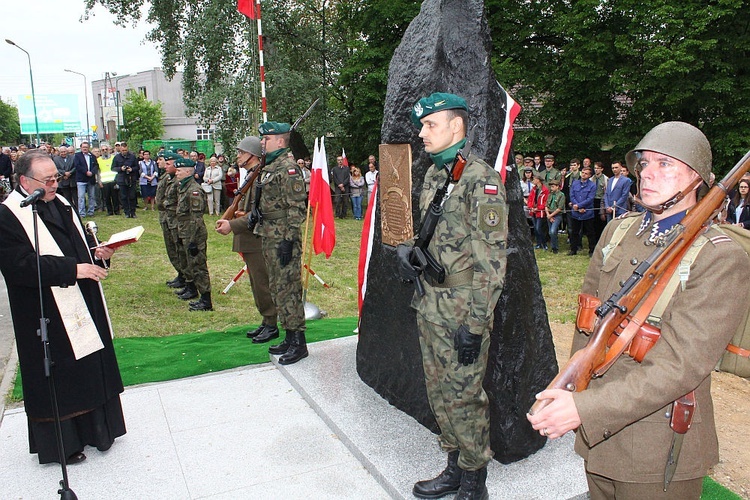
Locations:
{"points": [[395, 193]]}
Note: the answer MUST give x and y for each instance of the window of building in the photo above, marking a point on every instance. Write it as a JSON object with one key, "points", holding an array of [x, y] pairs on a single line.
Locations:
{"points": [[142, 91], [203, 134]]}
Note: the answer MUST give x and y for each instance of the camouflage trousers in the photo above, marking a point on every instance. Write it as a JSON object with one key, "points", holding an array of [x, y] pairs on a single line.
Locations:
{"points": [[456, 396], [169, 243], [286, 284], [193, 238]]}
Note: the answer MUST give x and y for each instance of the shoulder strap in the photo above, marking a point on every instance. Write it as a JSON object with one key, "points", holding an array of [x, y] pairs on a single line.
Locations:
{"points": [[617, 236]]}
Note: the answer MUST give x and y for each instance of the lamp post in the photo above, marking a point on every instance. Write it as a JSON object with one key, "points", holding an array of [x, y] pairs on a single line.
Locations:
{"points": [[117, 105], [86, 97], [33, 95]]}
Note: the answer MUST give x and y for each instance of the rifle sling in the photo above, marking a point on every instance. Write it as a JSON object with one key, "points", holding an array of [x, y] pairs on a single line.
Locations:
{"points": [[635, 323]]}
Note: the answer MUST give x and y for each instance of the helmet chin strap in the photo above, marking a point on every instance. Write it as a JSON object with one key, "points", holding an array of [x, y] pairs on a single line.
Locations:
{"points": [[674, 200]]}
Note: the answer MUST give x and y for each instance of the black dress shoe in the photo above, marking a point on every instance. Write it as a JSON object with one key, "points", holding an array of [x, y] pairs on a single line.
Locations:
{"points": [[251, 334], [269, 333], [75, 458]]}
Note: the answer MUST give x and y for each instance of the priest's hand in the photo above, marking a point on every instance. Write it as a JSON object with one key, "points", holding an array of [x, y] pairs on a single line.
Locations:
{"points": [[90, 271], [104, 253]]}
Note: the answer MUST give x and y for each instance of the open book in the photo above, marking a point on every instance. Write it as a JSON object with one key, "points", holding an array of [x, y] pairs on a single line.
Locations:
{"points": [[123, 238]]}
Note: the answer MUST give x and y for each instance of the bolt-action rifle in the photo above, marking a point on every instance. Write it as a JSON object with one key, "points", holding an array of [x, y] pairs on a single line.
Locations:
{"points": [[591, 361]]}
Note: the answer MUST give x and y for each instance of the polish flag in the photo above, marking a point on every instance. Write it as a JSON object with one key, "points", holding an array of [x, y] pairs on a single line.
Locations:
{"points": [[365, 246], [512, 108], [324, 232], [343, 157], [247, 7]]}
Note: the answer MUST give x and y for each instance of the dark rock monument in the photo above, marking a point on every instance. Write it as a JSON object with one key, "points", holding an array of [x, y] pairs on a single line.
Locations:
{"points": [[447, 49]]}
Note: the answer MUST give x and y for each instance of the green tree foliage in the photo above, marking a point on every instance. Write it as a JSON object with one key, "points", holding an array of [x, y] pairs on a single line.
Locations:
{"points": [[10, 126], [142, 119], [591, 75]]}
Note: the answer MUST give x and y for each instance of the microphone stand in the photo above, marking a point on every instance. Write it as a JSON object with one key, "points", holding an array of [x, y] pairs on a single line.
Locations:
{"points": [[65, 492]]}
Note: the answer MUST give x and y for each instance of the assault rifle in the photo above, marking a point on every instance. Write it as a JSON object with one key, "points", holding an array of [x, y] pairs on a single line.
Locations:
{"points": [[422, 259], [590, 361], [233, 212]]}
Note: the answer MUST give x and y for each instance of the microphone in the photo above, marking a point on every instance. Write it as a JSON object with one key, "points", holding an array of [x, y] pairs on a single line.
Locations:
{"points": [[33, 197]]}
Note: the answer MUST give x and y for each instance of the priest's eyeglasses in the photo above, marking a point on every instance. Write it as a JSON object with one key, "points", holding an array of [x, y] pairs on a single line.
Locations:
{"points": [[47, 182]]}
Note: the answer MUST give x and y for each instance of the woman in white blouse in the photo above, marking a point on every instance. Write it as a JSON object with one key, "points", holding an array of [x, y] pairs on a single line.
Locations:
{"points": [[213, 177]]}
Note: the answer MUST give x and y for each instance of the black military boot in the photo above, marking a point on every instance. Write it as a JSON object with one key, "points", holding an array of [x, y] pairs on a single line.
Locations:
{"points": [[251, 334], [189, 292], [204, 304], [446, 483], [284, 346], [177, 282], [297, 348], [473, 485], [269, 333]]}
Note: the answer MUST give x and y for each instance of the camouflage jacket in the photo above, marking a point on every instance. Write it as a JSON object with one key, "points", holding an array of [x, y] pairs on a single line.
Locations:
{"points": [[470, 235], [283, 201], [191, 200], [161, 191]]}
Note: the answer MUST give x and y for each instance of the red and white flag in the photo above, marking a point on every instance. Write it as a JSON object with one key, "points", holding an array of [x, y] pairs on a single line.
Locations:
{"points": [[248, 8], [343, 157], [324, 232], [512, 108], [365, 246]]}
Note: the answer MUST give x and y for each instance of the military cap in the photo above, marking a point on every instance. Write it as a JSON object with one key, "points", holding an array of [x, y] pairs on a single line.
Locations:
{"points": [[274, 128], [438, 101], [553, 182], [528, 169], [549, 157], [184, 163], [170, 155], [528, 158]]}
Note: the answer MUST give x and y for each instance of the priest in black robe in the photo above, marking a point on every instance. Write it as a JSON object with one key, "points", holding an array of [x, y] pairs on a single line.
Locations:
{"points": [[85, 370]]}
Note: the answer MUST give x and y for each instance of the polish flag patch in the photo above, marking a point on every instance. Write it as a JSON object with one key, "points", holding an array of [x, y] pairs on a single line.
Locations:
{"points": [[490, 189], [291, 171]]}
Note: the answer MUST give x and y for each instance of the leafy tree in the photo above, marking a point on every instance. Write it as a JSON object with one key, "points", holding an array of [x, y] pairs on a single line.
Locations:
{"points": [[10, 126], [142, 119]]}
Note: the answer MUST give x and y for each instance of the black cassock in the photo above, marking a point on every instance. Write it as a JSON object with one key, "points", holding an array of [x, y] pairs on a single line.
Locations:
{"points": [[87, 389]]}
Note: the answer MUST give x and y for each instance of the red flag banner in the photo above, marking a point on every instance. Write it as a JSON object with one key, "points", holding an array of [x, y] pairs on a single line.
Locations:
{"points": [[343, 157], [247, 7], [324, 231]]}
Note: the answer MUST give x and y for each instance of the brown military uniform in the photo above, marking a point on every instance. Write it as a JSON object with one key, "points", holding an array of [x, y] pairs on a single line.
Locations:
{"points": [[625, 434], [251, 247]]}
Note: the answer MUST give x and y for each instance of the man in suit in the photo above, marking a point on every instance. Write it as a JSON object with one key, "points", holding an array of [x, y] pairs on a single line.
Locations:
{"points": [[616, 194], [250, 246], [86, 168], [624, 417]]}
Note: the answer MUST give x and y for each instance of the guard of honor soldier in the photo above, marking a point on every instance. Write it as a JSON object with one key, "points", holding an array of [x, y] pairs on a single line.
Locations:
{"points": [[192, 235], [455, 316], [278, 214]]}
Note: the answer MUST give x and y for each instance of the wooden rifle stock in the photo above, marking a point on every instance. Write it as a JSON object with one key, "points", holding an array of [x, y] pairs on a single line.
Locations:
{"points": [[579, 369], [240, 193]]}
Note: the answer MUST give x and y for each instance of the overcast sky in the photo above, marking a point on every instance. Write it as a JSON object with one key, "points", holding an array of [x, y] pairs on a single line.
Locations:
{"points": [[52, 34]]}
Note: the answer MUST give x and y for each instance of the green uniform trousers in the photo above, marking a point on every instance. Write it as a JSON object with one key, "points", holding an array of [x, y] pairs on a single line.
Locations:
{"points": [[456, 396], [286, 284]]}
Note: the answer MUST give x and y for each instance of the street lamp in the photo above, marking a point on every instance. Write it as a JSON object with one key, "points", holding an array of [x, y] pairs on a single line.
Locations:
{"points": [[86, 97], [117, 104], [33, 95]]}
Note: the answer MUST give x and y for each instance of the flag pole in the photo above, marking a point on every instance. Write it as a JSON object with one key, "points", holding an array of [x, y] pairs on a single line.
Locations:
{"points": [[309, 254], [262, 65], [304, 240]]}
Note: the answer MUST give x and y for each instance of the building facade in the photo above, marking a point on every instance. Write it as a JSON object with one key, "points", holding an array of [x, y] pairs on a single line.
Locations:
{"points": [[110, 92]]}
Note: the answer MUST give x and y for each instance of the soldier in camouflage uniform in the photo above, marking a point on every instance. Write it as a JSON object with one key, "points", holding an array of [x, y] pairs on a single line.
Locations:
{"points": [[184, 291], [191, 205], [455, 316], [281, 208], [165, 160]]}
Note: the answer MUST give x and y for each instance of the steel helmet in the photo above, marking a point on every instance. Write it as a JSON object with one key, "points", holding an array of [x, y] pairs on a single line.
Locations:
{"points": [[251, 144], [679, 140]]}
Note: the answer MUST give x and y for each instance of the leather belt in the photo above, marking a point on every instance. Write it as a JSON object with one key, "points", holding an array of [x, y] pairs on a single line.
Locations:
{"points": [[464, 277], [739, 351]]}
